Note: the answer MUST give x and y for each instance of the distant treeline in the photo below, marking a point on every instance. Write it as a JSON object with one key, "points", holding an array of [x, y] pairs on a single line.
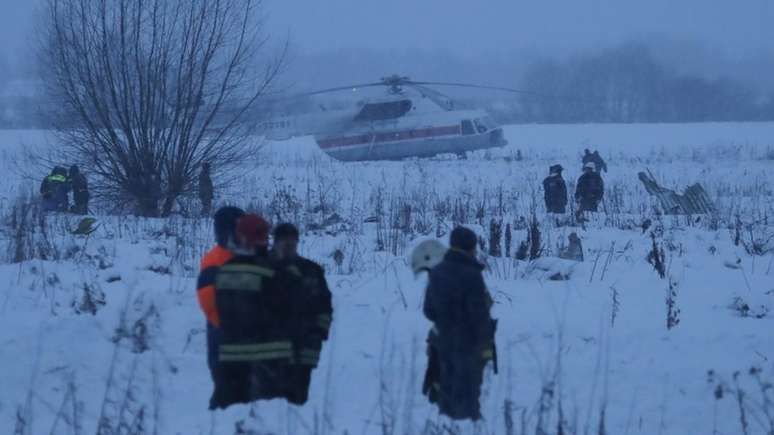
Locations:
{"points": [[627, 84]]}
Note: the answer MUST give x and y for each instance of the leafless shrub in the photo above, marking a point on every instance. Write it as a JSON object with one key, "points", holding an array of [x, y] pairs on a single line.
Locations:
{"points": [[673, 312], [535, 243], [323, 192], [151, 90], [284, 206], [615, 306], [743, 388], [508, 421], [744, 309], [28, 232], [70, 411], [123, 410], [656, 257], [508, 240], [91, 301], [495, 236], [381, 218], [756, 237]]}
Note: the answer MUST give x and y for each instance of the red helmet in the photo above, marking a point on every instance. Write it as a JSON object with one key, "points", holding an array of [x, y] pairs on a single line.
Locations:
{"points": [[252, 231]]}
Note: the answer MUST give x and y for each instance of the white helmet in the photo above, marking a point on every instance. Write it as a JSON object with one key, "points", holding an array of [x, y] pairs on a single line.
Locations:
{"points": [[427, 255]]}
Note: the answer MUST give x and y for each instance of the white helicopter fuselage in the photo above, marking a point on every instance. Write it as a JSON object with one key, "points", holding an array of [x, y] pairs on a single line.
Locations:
{"points": [[420, 135], [392, 129]]}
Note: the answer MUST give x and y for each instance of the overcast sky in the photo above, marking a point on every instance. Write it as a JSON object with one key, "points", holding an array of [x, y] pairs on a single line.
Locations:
{"points": [[484, 28]]}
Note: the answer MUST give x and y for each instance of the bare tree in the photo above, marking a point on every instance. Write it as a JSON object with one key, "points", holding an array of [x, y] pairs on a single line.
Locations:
{"points": [[151, 89]]}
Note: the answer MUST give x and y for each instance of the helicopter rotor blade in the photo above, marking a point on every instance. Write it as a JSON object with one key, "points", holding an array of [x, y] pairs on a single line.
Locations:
{"points": [[469, 85], [439, 98], [338, 89], [499, 88]]}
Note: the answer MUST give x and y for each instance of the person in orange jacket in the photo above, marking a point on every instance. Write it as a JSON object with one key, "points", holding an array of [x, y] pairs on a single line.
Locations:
{"points": [[224, 223]]}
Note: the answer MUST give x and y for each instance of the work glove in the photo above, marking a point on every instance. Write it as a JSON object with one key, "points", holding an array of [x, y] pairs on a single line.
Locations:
{"points": [[487, 352]]}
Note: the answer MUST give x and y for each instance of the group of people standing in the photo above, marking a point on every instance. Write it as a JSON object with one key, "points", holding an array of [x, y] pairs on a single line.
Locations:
{"points": [[56, 187], [268, 311], [589, 190]]}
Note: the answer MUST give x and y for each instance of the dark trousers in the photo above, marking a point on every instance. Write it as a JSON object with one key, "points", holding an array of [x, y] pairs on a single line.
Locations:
{"points": [[453, 381], [245, 382], [81, 207], [588, 204], [556, 208], [461, 377], [212, 349], [298, 379]]}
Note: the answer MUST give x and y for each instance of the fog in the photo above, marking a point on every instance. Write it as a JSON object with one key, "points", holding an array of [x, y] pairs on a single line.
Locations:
{"points": [[339, 41], [493, 42], [489, 27]]}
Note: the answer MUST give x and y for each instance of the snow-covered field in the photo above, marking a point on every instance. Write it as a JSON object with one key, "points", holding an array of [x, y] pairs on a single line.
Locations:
{"points": [[107, 328]]}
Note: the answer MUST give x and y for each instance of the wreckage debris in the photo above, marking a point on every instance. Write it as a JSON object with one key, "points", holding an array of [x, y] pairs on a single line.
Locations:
{"points": [[694, 199]]}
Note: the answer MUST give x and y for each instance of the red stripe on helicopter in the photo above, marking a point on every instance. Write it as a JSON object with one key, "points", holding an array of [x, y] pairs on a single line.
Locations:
{"points": [[421, 133]]}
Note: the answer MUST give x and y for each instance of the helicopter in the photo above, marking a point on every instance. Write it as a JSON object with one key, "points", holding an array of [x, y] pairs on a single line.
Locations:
{"points": [[411, 120]]}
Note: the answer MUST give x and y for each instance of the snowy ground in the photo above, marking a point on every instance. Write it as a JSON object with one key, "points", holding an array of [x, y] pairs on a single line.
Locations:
{"points": [[598, 340]]}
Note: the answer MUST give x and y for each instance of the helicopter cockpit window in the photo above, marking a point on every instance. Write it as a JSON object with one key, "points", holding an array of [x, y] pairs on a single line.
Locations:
{"points": [[467, 127], [385, 110], [489, 122], [480, 126]]}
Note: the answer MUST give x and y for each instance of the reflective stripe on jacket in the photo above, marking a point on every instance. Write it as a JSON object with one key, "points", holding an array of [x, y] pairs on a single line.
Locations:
{"points": [[255, 351]]}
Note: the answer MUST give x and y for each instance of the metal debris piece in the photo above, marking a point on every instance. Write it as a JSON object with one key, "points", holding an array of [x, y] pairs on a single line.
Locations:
{"points": [[86, 226], [693, 201]]}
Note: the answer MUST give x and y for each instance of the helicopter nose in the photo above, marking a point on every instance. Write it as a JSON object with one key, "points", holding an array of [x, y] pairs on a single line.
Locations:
{"points": [[496, 137]]}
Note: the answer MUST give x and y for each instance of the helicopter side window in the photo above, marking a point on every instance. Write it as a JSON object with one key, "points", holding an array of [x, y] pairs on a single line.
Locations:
{"points": [[467, 127], [480, 126]]}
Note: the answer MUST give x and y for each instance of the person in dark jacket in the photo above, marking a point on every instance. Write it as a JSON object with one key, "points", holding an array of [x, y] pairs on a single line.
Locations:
{"points": [[54, 190], [462, 339], [590, 189], [594, 158], [224, 225], [555, 190], [80, 187], [305, 282], [255, 346], [205, 189]]}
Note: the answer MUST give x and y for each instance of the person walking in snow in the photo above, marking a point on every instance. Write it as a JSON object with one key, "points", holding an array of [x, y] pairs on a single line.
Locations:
{"points": [[590, 189], [205, 189], [458, 303], [80, 187], [304, 281], [54, 190], [595, 158], [555, 190]]}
